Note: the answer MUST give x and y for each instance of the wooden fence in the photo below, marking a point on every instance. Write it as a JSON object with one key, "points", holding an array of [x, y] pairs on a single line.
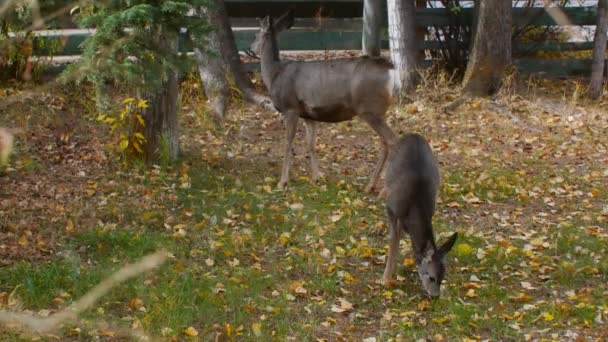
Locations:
{"points": [[336, 25]]}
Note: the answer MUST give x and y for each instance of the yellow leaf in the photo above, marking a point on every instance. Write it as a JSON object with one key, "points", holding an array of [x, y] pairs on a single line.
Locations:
{"points": [[190, 331], [101, 117], [463, 249], [349, 278], [284, 238], [142, 103], [137, 147], [409, 262], [471, 293], [124, 143], [23, 241], [69, 226], [257, 329], [140, 119], [140, 136], [128, 100], [548, 317]]}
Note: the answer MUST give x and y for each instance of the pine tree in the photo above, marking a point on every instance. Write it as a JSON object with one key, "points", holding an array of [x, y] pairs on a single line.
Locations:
{"points": [[136, 44]]}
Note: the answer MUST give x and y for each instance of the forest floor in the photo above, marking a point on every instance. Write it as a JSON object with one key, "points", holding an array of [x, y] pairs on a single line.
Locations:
{"points": [[524, 179]]}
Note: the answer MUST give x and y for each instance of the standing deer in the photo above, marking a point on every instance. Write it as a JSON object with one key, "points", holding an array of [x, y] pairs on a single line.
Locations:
{"points": [[411, 182], [326, 91]]}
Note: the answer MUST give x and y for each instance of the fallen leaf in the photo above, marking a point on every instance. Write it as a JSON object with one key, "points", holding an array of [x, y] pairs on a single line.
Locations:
{"points": [[343, 306]]}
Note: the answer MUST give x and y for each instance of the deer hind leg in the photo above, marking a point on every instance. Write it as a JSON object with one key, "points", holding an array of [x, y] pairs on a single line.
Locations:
{"points": [[394, 236], [311, 137], [387, 138], [291, 125]]}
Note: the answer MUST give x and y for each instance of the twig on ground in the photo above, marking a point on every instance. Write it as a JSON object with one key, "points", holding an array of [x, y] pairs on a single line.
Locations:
{"points": [[450, 107], [514, 118]]}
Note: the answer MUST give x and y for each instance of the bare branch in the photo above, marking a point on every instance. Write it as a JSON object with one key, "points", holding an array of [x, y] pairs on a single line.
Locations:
{"points": [[48, 324]]}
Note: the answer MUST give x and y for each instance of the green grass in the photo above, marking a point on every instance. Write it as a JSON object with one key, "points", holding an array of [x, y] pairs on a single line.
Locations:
{"points": [[247, 248]]}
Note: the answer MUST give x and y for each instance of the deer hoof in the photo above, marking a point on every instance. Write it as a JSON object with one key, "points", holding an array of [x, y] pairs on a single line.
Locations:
{"points": [[282, 185], [389, 283]]}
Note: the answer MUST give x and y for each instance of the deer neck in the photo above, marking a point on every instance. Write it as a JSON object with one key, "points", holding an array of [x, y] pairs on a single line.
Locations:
{"points": [[269, 59]]}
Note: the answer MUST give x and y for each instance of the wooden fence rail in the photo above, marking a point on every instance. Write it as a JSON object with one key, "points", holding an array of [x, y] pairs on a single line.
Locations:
{"points": [[336, 25]]}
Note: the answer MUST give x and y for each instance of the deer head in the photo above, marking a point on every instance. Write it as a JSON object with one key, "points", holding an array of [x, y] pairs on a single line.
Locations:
{"points": [[431, 269], [269, 28]]}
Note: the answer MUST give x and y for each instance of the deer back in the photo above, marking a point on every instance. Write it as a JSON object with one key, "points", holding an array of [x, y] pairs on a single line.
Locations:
{"points": [[333, 90]]}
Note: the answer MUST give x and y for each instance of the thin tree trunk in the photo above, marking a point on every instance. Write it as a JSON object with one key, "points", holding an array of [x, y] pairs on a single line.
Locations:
{"points": [[232, 58], [599, 50], [402, 41], [421, 31], [491, 52], [211, 67], [372, 24], [161, 130], [102, 96]]}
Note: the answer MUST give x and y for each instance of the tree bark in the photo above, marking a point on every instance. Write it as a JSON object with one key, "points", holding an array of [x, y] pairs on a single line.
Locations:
{"points": [[232, 58], [211, 66], [160, 117], [421, 31], [491, 52], [402, 41], [599, 50], [372, 24]]}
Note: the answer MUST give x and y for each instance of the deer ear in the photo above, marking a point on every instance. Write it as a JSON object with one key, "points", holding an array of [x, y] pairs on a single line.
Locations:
{"points": [[447, 246], [284, 22], [265, 22]]}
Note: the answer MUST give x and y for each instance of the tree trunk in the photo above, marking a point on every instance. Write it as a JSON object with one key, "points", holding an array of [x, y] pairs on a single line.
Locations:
{"points": [[491, 52], [421, 31], [161, 130], [372, 24], [211, 67], [599, 50], [402, 41], [232, 58], [102, 96]]}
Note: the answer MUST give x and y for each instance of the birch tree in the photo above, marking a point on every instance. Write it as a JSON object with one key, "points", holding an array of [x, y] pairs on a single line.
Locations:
{"points": [[402, 41]]}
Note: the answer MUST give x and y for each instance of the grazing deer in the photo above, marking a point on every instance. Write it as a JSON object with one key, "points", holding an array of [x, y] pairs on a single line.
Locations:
{"points": [[411, 182], [326, 91]]}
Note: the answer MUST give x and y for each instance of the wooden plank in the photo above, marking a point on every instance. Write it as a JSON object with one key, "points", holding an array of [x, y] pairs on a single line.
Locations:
{"points": [[308, 40], [341, 24], [302, 9], [521, 16], [554, 67], [424, 16], [290, 40]]}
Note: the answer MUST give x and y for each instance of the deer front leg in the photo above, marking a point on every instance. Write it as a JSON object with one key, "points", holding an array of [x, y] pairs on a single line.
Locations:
{"points": [[311, 137], [291, 125], [394, 236], [387, 138]]}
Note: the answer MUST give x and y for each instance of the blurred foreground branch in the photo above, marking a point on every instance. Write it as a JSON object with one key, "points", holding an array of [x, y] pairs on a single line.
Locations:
{"points": [[48, 324]]}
